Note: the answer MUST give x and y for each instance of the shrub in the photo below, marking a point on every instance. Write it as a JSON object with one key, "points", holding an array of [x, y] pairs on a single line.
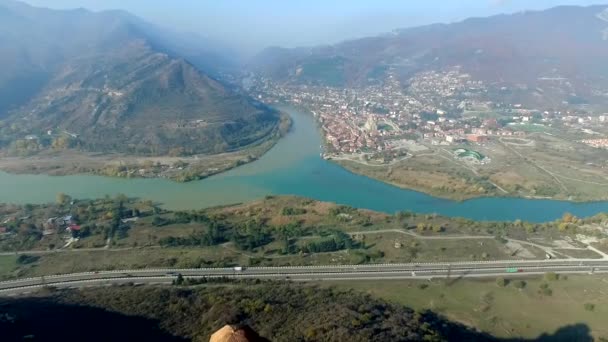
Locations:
{"points": [[519, 284], [551, 276], [502, 282], [589, 306], [159, 221], [289, 211], [25, 259], [545, 290]]}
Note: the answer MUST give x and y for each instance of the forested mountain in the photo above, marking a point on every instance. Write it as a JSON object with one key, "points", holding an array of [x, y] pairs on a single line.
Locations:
{"points": [[92, 75], [564, 48]]}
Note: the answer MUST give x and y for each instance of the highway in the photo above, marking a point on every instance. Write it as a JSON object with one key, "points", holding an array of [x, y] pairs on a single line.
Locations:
{"points": [[312, 273]]}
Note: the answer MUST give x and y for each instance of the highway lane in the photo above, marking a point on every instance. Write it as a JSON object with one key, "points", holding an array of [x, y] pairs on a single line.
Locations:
{"points": [[379, 276], [324, 269], [337, 272]]}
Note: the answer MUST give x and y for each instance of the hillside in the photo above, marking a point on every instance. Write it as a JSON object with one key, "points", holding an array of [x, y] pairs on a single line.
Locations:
{"points": [[288, 231], [74, 78], [276, 311], [560, 51]]}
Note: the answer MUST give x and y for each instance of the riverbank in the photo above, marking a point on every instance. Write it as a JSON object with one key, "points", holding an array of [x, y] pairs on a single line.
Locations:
{"points": [[292, 167], [176, 168], [440, 183], [440, 175], [279, 230], [533, 171], [436, 184]]}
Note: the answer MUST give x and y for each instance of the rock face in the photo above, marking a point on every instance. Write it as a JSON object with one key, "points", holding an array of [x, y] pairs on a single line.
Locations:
{"points": [[236, 333]]}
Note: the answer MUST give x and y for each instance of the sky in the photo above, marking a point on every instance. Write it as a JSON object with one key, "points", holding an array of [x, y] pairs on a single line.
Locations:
{"points": [[251, 25]]}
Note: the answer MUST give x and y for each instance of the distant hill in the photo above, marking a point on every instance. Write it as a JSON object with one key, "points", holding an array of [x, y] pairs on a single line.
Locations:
{"points": [[564, 47], [92, 76]]}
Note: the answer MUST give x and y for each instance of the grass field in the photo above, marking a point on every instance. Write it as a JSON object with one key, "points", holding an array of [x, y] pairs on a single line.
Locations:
{"points": [[380, 249], [483, 114], [429, 174], [531, 128], [7, 264], [71, 262], [503, 311], [419, 250]]}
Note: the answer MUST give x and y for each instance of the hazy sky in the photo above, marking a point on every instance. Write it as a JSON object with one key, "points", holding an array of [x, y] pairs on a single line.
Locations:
{"points": [[253, 24]]}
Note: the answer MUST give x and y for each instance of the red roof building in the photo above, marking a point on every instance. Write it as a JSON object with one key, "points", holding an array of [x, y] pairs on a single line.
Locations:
{"points": [[74, 227], [477, 138]]}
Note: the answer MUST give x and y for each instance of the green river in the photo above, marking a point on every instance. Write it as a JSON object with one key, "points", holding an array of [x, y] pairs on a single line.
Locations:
{"points": [[292, 167]]}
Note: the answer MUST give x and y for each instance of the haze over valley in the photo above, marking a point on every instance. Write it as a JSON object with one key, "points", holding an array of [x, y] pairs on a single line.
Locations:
{"points": [[311, 171]]}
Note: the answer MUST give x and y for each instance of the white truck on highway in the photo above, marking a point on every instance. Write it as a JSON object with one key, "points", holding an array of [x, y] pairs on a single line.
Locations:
{"points": [[238, 268]]}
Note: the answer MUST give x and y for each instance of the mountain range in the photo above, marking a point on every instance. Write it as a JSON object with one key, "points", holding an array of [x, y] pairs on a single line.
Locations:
{"points": [[94, 75], [556, 54]]}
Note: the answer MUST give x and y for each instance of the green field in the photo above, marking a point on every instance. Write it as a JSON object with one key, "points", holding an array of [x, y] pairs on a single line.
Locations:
{"points": [[385, 127], [483, 114], [7, 264], [531, 128], [503, 311]]}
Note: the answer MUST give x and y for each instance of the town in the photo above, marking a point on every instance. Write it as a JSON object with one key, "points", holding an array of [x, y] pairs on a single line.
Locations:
{"points": [[385, 123]]}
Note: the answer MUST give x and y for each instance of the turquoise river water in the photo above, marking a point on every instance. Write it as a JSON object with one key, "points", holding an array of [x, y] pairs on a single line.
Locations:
{"points": [[292, 167]]}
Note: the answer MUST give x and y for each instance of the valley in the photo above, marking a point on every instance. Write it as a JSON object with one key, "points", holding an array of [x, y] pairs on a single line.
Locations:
{"points": [[455, 268], [197, 181], [446, 110], [292, 167]]}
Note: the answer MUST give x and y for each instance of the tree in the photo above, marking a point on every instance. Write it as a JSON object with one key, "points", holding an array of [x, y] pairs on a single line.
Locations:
{"points": [[176, 152], [147, 164], [62, 198], [589, 306], [551, 276], [502, 282], [85, 230], [519, 284], [530, 228], [25, 259], [179, 280], [289, 211], [402, 215], [121, 198], [545, 290], [61, 143], [568, 218], [158, 221]]}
